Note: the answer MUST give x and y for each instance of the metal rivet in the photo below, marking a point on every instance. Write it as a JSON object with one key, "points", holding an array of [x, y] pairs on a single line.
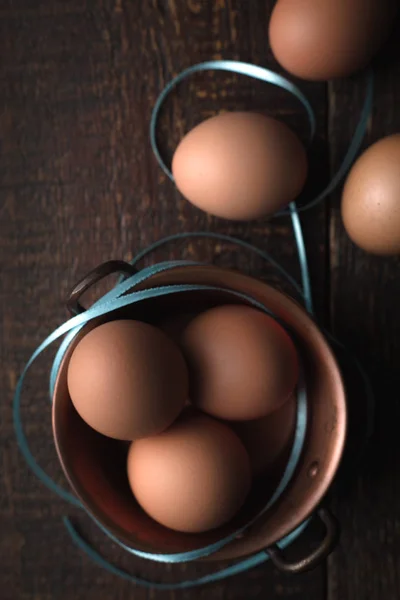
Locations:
{"points": [[313, 469]]}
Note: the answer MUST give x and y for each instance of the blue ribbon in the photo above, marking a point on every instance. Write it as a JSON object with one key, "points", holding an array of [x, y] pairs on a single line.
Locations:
{"points": [[232, 66], [268, 76], [235, 569]]}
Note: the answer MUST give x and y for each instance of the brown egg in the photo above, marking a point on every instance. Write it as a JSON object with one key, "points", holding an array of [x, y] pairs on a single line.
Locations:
{"points": [[242, 363], [127, 380], [240, 165], [371, 198], [323, 39], [192, 477], [268, 439]]}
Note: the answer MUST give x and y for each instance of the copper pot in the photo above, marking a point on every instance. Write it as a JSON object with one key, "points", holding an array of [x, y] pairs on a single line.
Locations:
{"points": [[95, 465]]}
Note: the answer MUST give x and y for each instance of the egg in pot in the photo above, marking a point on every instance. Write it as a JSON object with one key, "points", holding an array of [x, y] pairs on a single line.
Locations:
{"points": [[242, 364], [127, 379], [268, 439], [193, 477]]}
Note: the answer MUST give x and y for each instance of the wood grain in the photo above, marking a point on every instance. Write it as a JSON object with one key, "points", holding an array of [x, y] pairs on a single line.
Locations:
{"points": [[79, 185], [365, 315]]}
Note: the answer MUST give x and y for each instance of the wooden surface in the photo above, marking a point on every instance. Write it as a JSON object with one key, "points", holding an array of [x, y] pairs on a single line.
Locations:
{"points": [[79, 185]]}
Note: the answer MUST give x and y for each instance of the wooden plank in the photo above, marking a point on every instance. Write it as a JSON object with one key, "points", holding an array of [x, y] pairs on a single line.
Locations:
{"points": [[79, 185], [365, 316]]}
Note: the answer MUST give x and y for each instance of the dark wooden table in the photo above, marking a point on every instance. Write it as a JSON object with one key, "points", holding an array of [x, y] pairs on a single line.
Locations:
{"points": [[79, 185]]}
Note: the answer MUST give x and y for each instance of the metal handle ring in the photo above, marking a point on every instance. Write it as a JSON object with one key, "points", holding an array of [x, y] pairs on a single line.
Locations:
{"points": [[314, 558], [74, 307]]}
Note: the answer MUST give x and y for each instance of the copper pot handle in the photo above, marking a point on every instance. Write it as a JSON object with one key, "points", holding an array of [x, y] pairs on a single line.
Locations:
{"points": [[318, 555], [74, 307]]}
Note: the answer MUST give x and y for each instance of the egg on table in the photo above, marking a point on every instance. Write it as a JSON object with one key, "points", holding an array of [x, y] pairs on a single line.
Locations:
{"points": [[127, 379], [240, 166], [242, 364], [371, 198], [323, 39], [193, 477]]}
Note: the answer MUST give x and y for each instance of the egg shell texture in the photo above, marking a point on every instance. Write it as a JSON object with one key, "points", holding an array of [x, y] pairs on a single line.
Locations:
{"points": [[193, 477], [240, 166], [127, 379], [324, 39], [242, 364], [371, 198]]}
